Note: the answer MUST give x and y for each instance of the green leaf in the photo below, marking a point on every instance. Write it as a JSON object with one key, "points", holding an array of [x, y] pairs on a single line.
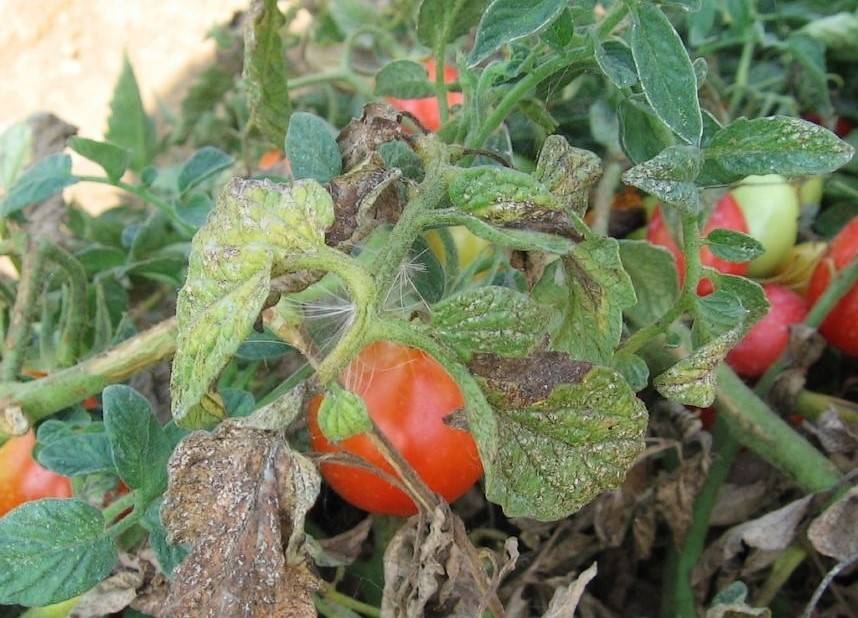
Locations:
{"points": [[47, 177], [140, 446], [113, 159], [312, 149], [52, 550], [670, 177], [589, 290], [838, 32], [265, 70], [398, 154], [423, 273], [812, 78], [642, 135], [665, 72], [567, 172], [343, 414], [692, 380], [203, 164], [733, 246], [633, 369], [616, 61], [404, 79], [74, 451], [716, 314], [446, 20], [254, 226], [700, 22], [128, 126], [194, 209], [777, 145], [506, 21], [567, 431], [653, 274], [750, 294], [15, 152], [561, 31], [501, 195], [490, 319], [168, 556], [262, 347]]}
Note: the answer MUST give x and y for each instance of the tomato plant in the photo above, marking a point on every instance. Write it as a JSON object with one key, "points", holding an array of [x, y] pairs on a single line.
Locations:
{"points": [[768, 338], [725, 215], [22, 479], [771, 208], [409, 396], [270, 243], [841, 325], [426, 109]]}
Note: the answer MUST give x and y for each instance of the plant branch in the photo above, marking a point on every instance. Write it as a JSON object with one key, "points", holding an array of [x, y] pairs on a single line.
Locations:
{"points": [[118, 506], [330, 593], [41, 398], [18, 336], [77, 314]]}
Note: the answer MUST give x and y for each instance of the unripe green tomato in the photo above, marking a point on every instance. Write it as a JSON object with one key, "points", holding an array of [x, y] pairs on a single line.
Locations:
{"points": [[770, 205], [810, 192]]}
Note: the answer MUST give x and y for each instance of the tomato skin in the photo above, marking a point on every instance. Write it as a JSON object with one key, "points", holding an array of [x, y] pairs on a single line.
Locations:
{"points": [[427, 110], [768, 338], [771, 208], [22, 479], [840, 328], [725, 215], [408, 394]]}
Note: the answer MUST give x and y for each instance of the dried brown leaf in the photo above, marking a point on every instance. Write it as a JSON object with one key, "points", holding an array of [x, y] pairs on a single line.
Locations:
{"points": [[737, 503], [430, 569], [361, 137], [239, 496], [834, 533], [342, 549], [565, 599]]}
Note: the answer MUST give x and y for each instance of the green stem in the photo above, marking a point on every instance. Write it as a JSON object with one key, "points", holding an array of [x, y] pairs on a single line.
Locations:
{"points": [[362, 289], [336, 75], [440, 83], [18, 336], [115, 508], [691, 250], [147, 196], [812, 405], [604, 198], [41, 398], [556, 63], [781, 571], [612, 19], [679, 598], [330, 593], [842, 282], [741, 81], [123, 524]]}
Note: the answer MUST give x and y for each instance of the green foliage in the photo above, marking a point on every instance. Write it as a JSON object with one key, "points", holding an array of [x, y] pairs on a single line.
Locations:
{"points": [[506, 21], [405, 79], [312, 149], [203, 164], [265, 71], [52, 550], [113, 159], [129, 126], [343, 414], [45, 178], [733, 246]]}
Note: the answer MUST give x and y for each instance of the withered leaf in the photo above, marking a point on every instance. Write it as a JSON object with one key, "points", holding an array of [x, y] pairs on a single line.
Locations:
{"points": [[361, 137], [239, 496], [565, 599], [568, 172], [834, 532], [431, 569]]}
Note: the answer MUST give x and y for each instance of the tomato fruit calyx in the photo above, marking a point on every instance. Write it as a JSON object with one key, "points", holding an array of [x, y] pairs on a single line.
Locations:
{"points": [[725, 215], [408, 395]]}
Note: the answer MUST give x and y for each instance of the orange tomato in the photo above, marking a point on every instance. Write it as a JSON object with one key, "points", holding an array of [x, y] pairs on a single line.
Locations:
{"points": [[22, 479]]}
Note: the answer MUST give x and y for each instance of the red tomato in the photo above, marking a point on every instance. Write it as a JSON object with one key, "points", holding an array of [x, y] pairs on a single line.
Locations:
{"points": [[427, 110], [408, 394], [725, 215], [22, 479], [764, 343], [841, 325]]}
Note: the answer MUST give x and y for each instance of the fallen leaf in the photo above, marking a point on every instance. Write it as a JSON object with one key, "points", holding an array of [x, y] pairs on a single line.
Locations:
{"points": [[238, 496], [430, 568], [565, 600], [834, 533]]}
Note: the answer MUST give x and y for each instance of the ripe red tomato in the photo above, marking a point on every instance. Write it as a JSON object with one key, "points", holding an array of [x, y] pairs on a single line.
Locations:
{"points": [[725, 215], [22, 479], [841, 325], [763, 344], [426, 110], [408, 395]]}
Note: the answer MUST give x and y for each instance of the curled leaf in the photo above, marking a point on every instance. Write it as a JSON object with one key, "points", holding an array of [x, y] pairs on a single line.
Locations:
{"points": [[253, 227], [568, 172], [567, 430]]}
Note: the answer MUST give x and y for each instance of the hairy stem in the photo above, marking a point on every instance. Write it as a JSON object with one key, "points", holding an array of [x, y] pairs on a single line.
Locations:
{"points": [[77, 314], [18, 336]]}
